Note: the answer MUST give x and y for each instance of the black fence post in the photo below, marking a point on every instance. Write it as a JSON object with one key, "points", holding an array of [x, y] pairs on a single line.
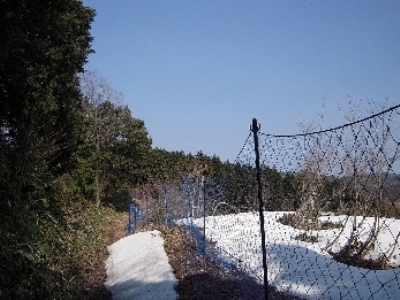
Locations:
{"points": [[255, 128]]}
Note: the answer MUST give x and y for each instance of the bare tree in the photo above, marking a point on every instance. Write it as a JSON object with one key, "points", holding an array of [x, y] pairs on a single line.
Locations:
{"points": [[367, 159], [380, 156], [314, 168]]}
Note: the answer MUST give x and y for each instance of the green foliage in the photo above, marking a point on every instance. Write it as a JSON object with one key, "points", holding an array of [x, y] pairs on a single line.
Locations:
{"points": [[244, 184], [43, 47], [84, 243], [119, 146], [162, 166]]}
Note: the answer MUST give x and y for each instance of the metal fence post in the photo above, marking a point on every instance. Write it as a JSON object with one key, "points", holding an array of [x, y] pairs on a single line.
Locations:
{"points": [[204, 179], [166, 203], [255, 128], [132, 218], [187, 192]]}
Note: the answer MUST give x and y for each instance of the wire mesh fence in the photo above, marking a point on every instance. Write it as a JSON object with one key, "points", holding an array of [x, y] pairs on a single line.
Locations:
{"points": [[330, 221], [332, 209]]}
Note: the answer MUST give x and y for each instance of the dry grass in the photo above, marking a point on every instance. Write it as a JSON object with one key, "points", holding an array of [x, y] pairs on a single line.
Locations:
{"points": [[113, 228]]}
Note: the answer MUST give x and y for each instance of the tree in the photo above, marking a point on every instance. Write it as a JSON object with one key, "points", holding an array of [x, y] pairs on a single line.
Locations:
{"points": [[43, 46], [370, 161], [126, 151], [97, 92], [314, 168], [119, 142]]}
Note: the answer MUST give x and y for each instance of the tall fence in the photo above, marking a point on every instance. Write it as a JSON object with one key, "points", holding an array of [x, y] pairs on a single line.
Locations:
{"points": [[340, 239], [314, 215]]}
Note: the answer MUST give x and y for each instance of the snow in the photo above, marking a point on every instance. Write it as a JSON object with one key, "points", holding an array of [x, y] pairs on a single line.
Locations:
{"points": [[302, 268], [138, 268]]}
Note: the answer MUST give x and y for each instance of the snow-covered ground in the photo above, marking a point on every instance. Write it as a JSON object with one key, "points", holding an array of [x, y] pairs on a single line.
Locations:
{"points": [[303, 268], [138, 268]]}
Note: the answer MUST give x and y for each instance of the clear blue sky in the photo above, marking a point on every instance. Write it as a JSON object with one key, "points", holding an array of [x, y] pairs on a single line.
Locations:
{"points": [[197, 72]]}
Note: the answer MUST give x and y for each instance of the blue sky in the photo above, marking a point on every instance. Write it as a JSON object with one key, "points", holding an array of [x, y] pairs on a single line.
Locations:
{"points": [[197, 72]]}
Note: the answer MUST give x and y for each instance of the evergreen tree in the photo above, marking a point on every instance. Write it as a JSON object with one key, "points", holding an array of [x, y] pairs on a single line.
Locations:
{"points": [[43, 46]]}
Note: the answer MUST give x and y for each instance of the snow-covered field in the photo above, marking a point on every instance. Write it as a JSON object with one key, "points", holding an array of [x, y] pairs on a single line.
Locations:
{"points": [[304, 268]]}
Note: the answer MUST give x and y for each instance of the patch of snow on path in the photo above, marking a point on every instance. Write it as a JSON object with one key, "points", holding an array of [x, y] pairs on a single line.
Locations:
{"points": [[138, 268]]}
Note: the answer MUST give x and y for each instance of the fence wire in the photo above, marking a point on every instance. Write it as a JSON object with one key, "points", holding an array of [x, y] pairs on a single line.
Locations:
{"points": [[331, 210]]}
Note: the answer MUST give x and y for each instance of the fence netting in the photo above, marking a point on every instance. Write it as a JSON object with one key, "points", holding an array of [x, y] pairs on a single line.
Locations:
{"points": [[331, 210]]}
